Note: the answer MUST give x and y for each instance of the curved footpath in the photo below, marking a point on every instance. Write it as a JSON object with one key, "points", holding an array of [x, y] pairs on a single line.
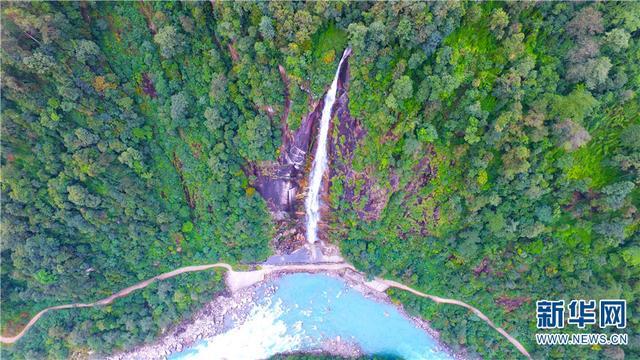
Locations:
{"points": [[240, 279]]}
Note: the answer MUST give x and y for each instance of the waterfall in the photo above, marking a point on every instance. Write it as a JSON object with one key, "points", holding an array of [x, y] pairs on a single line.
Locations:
{"points": [[312, 202]]}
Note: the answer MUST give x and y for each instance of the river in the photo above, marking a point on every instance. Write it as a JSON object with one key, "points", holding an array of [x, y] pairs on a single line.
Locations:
{"points": [[316, 312]]}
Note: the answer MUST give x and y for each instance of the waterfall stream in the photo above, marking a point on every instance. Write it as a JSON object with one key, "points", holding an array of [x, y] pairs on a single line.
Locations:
{"points": [[312, 202]]}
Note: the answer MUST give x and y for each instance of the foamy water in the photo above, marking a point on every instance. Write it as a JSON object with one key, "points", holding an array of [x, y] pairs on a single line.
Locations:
{"points": [[263, 334], [306, 312], [312, 202]]}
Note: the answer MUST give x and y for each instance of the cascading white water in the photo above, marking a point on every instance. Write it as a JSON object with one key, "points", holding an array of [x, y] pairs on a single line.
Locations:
{"points": [[312, 202]]}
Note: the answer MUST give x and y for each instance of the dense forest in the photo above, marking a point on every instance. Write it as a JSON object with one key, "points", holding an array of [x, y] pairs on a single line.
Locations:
{"points": [[498, 161]]}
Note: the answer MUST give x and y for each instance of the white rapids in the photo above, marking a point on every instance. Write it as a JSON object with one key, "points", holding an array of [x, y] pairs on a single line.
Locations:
{"points": [[312, 202]]}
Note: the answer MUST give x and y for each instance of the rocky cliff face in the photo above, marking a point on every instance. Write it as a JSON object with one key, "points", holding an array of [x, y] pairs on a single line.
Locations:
{"points": [[279, 182], [349, 133]]}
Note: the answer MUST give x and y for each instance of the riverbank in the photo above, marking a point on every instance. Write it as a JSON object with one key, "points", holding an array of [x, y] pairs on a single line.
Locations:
{"points": [[216, 317], [205, 323], [237, 280]]}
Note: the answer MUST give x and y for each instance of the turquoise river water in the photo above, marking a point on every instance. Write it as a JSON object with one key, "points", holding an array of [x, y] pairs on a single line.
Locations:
{"points": [[306, 312]]}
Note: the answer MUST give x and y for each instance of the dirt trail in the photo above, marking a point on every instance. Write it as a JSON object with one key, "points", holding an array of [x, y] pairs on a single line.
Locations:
{"points": [[114, 296], [239, 279]]}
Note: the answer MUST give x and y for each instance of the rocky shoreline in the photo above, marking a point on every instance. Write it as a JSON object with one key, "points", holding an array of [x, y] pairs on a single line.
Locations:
{"points": [[358, 281], [205, 323], [214, 317]]}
